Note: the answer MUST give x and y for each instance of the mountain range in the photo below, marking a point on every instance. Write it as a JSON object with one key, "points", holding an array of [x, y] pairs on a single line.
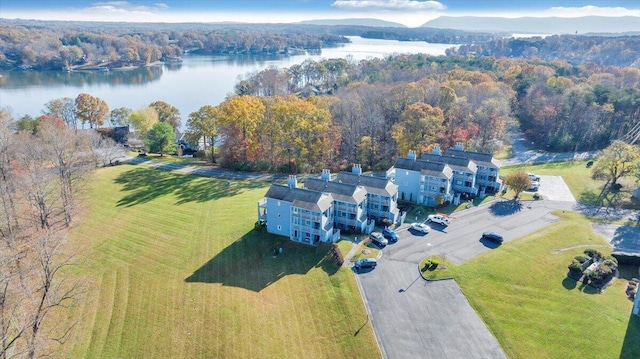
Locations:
{"points": [[539, 25]]}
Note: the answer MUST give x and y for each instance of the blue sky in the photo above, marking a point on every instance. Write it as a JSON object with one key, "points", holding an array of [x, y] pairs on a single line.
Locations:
{"points": [[406, 12]]}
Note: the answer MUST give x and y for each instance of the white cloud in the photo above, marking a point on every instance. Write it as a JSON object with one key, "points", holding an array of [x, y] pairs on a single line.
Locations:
{"points": [[394, 5], [590, 10]]}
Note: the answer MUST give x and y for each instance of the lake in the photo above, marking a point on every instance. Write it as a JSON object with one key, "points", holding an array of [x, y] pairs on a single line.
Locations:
{"points": [[196, 81]]}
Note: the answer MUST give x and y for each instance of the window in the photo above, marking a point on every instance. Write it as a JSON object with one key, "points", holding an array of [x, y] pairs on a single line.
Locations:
{"points": [[406, 173], [295, 209], [467, 184], [279, 215], [278, 203], [279, 227], [458, 182]]}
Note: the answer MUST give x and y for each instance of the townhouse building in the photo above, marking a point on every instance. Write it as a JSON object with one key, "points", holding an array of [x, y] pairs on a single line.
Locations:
{"points": [[317, 212]]}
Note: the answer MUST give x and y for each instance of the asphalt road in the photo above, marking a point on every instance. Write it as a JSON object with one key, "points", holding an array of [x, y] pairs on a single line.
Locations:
{"points": [[419, 319], [414, 318]]}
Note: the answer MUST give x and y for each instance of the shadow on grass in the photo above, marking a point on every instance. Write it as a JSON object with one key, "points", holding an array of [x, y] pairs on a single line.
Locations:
{"points": [[505, 208], [631, 344], [626, 238], [569, 283], [250, 262], [628, 271], [146, 184]]}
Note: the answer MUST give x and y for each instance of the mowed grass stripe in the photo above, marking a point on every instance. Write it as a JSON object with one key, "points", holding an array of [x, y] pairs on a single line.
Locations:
{"points": [[199, 282], [522, 293]]}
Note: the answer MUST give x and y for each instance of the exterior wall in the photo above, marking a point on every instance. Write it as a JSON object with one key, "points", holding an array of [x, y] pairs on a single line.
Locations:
{"points": [[350, 215], [430, 187], [310, 227], [488, 178], [464, 182], [381, 206], [408, 185], [278, 217]]}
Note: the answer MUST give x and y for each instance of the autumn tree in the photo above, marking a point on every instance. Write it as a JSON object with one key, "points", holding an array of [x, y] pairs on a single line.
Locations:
{"points": [[33, 248], [161, 138], [518, 181], [202, 123], [239, 118], [616, 161], [120, 116], [142, 120], [167, 113], [420, 126], [91, 109], [63, 108]]}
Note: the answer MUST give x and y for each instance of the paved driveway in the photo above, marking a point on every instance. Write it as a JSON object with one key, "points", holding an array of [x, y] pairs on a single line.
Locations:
{"points": [[553, 188], [418, 319]]}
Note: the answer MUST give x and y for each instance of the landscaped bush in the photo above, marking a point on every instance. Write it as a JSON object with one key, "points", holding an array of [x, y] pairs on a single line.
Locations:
{"points": [[427, 265], [434, 263], [337, 254], [580, 259], [590, 252], [612, 265], [595, 276], [575, 269]]}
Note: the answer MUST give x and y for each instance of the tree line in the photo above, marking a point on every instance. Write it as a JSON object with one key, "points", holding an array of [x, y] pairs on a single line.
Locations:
{"points": [[60, 45], [42, 173], [575, 49], [330, 113]]}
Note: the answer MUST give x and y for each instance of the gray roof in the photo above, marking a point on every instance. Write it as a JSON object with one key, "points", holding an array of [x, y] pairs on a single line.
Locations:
{"points": [[302, 198], [456, 163], [375, 185], [343, 192], [427, 168], [481, 158]]}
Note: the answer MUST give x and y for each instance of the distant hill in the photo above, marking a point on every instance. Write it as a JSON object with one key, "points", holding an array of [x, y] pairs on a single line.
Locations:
{"points": [[352, 22], [539, 25]]}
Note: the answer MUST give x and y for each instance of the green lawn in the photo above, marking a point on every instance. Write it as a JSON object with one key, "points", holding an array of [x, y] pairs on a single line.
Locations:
{"points": [[521, 291], [578, 178], [175, 270]]}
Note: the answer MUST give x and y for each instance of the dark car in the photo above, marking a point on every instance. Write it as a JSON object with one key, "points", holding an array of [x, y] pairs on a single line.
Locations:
{"points": [[378, 239], [493, 237], [365, 263], [390, 234]]}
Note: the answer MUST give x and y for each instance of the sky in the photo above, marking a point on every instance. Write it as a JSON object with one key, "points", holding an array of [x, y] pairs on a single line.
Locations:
{"points": [[410, 13]]}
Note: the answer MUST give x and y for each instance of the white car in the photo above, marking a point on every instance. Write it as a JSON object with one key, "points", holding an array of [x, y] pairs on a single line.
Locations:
{"points": [[420, 227], [440, 219], [533, 177]]}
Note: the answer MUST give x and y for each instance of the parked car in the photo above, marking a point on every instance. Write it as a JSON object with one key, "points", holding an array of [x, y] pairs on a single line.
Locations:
{"points": [[534, 186], [533, 177], [439, 218], [493, 237], [420, 227], [365, 263], [390, 234], [378, 239]]}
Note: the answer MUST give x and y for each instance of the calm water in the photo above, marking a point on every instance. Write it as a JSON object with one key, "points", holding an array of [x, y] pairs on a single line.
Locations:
{"points": [[195, 82]]}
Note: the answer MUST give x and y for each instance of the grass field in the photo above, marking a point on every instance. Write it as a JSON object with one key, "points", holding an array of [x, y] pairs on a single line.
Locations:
{"points": [[584, 189], [521, 291], [175, 270]]}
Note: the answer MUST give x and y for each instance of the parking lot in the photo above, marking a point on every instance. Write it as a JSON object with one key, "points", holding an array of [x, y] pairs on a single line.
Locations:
{"points": [[415, 318]]}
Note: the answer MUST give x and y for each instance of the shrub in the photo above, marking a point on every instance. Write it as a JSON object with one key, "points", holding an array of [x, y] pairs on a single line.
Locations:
{"points": [[337, 254], [610, 264], [575, 268], [590, 252], [580, 259], [536, 196], [427, 265], [595, 276], [434, 263]]}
